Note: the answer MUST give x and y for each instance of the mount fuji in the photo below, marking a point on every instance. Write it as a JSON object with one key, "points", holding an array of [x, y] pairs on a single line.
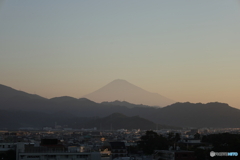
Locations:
{"points": [[122, 90]]}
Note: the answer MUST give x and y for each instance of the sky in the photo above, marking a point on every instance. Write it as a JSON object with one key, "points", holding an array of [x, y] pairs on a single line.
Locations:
{"points": [[185, 50]]}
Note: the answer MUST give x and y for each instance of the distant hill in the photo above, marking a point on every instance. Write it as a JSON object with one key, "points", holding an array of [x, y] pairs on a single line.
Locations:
{"points": [[21, 119], [187, 114], [63, 99], [125, 104], [14, 103], [120, 121], [8, 92], [122, 90]]}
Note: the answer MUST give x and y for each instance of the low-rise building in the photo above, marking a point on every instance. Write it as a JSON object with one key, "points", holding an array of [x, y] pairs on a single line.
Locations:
{"points": [[7, 146], [118, 149], [173, 155], [51, 149]]}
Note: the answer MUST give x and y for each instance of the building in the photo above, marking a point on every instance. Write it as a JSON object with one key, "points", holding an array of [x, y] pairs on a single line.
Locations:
{"points": [[58, 156], [190, 142], [51, 149], [7, 146], [118, 149], [173, 155]]}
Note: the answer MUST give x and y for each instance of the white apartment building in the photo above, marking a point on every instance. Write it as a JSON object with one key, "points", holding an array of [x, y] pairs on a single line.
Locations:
{"points": [[22, 154], [7, 146]]}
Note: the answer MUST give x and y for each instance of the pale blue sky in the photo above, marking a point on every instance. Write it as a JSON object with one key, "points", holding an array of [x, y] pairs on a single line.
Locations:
{"points": [[185, 50]]}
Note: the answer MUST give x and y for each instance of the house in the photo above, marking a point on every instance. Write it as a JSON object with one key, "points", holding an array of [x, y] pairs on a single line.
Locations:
{"points": [[118, 149], [52, 149], [173, 155], [7, 146]]}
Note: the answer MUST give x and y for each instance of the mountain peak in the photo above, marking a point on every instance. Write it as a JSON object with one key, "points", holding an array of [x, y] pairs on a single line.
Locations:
{"points": [[119, 80], [122, 90], [63, 99]]}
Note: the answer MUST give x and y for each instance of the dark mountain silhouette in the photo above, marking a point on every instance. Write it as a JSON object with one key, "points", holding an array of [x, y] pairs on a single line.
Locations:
{"points": [[8, 92], [198, 115], [63, 99], [124, 103], [21, 119], [78, 107], [124, 91], [67, 99], [14, 103], [120, 121], [18, 100]]}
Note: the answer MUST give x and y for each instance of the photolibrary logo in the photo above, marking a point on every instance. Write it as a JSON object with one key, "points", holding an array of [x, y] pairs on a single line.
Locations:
{"points": [[213, 154]]}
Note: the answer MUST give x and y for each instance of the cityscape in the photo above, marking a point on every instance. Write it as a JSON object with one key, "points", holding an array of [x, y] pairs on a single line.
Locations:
{"points": [[61, 134], [67, 143], [119, 80]]}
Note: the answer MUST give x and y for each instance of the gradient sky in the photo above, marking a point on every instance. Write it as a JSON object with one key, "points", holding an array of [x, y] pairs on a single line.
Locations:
{"points": [[182, 49]]}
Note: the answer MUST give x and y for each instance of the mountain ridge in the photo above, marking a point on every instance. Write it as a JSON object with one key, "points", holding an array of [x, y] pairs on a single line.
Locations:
{"points": [[7, 92], [122, 90], [213, 114]]}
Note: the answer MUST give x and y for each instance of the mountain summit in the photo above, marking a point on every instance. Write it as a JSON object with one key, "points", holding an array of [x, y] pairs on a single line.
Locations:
{"points": [[124, 91]]}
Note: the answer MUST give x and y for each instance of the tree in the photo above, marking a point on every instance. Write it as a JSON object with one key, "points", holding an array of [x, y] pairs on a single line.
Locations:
{"points": [[224, 142], [8, 155], [197, 136], [173, 138], [152, 141], [177, 137]]}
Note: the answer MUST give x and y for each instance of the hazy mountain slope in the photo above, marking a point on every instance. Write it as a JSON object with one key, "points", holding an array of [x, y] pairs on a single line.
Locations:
{"points": [[8, 92], [18, 100], [19, 119], [63, 99], [119, 121], [124, 91], [124, 103], [198, 115], [178, 114], [26, 103]]}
